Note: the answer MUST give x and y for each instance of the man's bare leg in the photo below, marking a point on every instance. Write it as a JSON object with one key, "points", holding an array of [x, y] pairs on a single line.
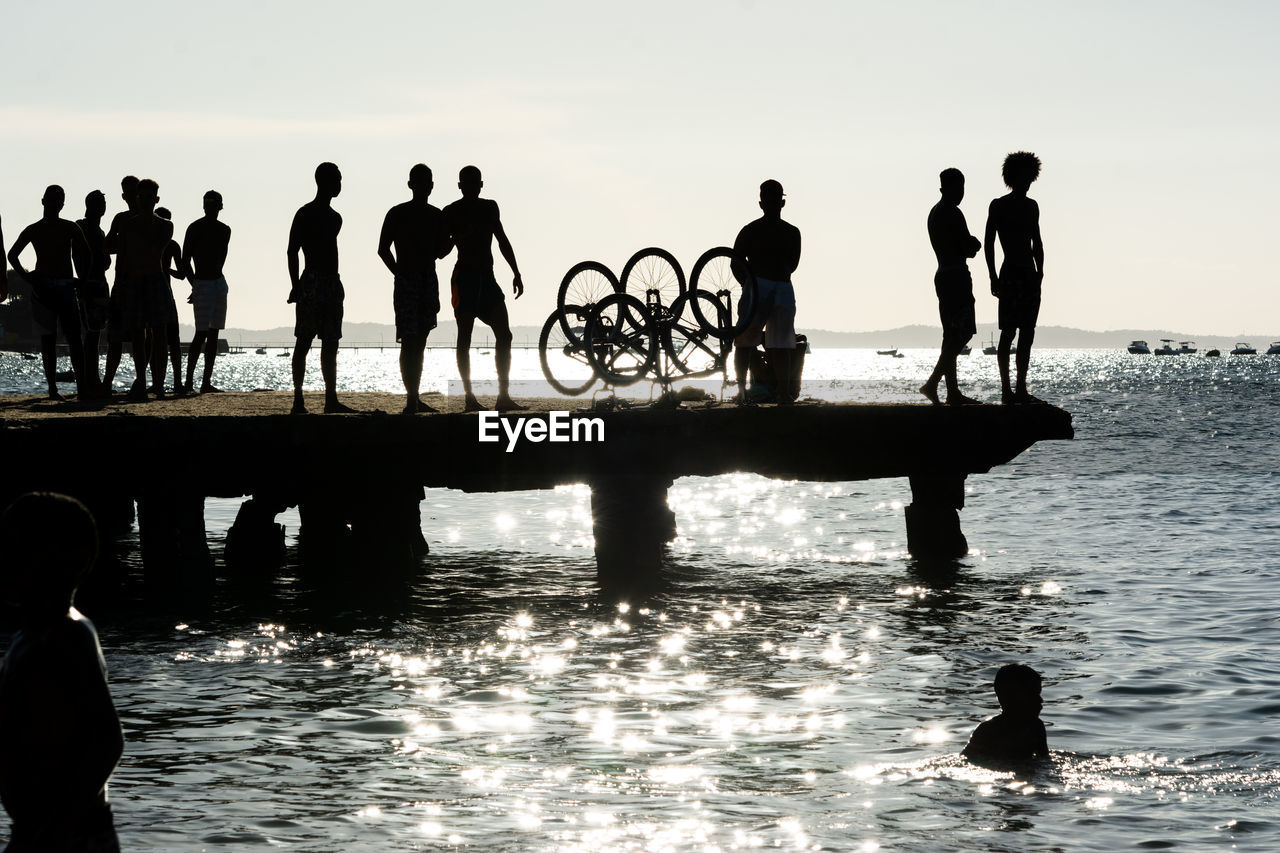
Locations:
{"points": [[139, 345], [412, 350], [175, 354], [780, 358], [741, 364], [1026, 336], [300, 350], [1002, 358], [465, 323], [210, 354], [501, 326], [90, 384], [115, 350], [159, 359], [49, 360], [329, 371], [193, 354]]}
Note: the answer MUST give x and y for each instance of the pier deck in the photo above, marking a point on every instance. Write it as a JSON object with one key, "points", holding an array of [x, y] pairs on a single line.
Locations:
{"points": [[175, 452]]}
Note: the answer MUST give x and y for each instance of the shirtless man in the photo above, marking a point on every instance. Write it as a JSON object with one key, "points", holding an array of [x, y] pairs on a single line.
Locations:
{"points": [[417, 232], [94, 293], [53, 291], [1016, 218], [317, 291], [117, 326], [171, 340], [144, 239], [4, 270], [953, 245], [60, 738], [473, 223], [771, 248], [204, 251]]}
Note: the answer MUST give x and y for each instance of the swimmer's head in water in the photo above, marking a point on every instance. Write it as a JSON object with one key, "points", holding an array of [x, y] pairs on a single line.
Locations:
{"points": [[48, 542], [1021, 168], [1018, 689]]}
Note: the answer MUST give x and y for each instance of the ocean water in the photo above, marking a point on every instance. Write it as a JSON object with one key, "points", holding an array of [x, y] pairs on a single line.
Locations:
{"points": [[797, 683]]}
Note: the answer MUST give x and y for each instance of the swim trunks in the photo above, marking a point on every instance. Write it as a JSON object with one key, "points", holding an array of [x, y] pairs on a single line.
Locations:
{"points": [[94, 298], [53, 299], [475, 292], [319, 307], [209, 301], [417, 302], [1019, 297], [774, 317], [954, 286], [148, 301], [118, 328]]}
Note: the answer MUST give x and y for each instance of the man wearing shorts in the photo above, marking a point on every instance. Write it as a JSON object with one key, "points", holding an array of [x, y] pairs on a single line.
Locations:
{"points": [[53, 287], [93, 292], [473, 223], [317, 292], [117, 327], [148, 303], [204, 251], [1016, 218], [953, 245], [415, 230], [770, 247]]}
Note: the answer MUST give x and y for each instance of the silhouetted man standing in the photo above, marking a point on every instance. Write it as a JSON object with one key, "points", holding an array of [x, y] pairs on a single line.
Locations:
{"points": [[4, 270], [953, 245], [317, 292], [144, 239], [473, 224], [416, 230], [94, 293], [204, 251], [53, 291], [1016, 218], [771, 248], [118, 327]]}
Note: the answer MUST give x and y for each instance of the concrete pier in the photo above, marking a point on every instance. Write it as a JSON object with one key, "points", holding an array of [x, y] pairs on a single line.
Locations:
{"points": [[357, 479]]}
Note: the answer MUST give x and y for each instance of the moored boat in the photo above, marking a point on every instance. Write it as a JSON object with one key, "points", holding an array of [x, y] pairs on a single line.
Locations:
{"points": [[1243, 349], [1139, 348], [1166, 348], [1187, 347], [1274, 349]]}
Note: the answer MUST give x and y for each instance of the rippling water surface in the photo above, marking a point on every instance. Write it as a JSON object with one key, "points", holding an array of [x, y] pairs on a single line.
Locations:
{"points": [[797, 682]]}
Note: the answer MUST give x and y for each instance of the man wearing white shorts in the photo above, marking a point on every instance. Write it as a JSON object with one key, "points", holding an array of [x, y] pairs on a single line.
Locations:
{"points": [[770, 247], [204, 251]]}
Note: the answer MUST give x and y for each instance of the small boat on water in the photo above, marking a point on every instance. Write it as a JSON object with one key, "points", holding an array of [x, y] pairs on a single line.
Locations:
{"points": [[1213, 353], [1139, 348], [1187, 348], [892, 352], [993, 349], [260, 351], [1274, 349], [965, 350], [1243, 349], [1166, 348]]}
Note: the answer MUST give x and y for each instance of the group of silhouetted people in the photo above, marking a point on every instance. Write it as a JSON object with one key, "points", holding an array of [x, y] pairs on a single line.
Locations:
{"points": [[1015, 219], [69, 288]]}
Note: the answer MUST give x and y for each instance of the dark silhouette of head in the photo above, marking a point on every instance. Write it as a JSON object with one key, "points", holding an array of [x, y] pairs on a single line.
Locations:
{"points": [[212, 202], [49, 542], [163, 213], [469, 181], [772, 198], [420, 180], [951, 184], [95, 204], [53, 199], [1018, 689], [147, 194], [129, 189], [328, 180], [1020, 170]]}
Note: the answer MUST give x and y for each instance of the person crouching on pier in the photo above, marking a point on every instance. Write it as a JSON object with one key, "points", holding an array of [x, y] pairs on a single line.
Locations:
{"points": [[770, 247], [60, 738]]}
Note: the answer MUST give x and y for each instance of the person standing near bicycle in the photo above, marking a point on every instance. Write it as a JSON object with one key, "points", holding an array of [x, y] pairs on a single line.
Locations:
{"points": [[770, 248], [473, 223]]}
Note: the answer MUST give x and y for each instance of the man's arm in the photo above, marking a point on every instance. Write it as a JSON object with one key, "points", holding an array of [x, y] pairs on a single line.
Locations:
{"points": [[24, 240], [795, 258], [739, 266], [81, 254], [989, 249], [295, 245], [384, 243], [188, 247], [504, 246], [4, 269], [1037, 247]]}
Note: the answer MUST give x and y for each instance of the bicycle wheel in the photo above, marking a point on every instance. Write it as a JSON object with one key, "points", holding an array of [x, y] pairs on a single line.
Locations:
{"points": [[654, 277], [620, 340], [583, 286], [692, 349], [715, 273], [564, 361]]}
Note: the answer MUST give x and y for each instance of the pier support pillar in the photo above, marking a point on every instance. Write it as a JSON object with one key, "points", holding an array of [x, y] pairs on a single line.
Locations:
{"points": [[255, 541], [631, 522], [175, 550], [324, 540], [387, 527], [933, 523]]}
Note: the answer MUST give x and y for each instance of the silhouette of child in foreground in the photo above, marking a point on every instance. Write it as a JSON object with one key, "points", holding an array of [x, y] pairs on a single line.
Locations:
{"points": [[1016, 733], [60, 738]]}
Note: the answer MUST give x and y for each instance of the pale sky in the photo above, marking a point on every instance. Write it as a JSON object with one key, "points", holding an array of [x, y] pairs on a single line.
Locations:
{"points": [[602, 129]]}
